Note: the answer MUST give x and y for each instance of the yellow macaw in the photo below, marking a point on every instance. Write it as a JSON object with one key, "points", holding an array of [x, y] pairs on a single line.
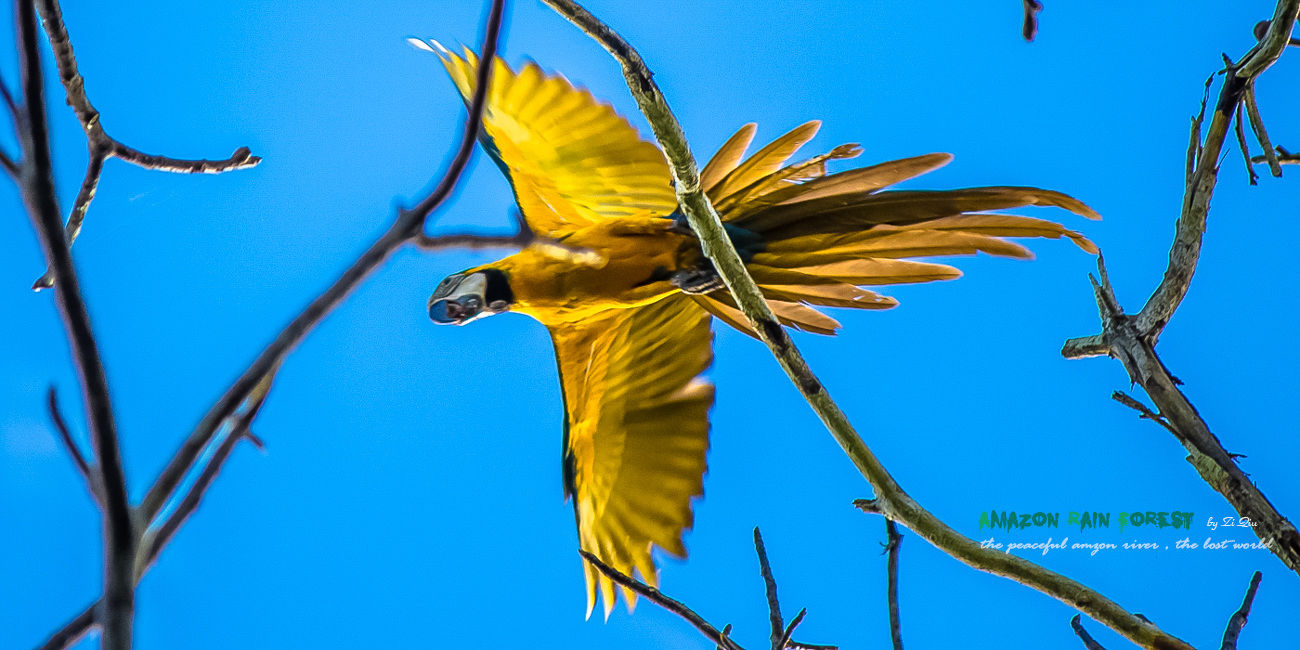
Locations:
{"points": [[629, 312]]}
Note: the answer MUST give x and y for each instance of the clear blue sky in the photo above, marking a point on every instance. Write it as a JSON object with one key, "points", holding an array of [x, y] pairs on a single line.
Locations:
{"points": [[410, 495]]}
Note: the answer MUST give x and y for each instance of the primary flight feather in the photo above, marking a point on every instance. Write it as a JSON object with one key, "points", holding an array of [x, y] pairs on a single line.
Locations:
{"points": [[630, 316]]}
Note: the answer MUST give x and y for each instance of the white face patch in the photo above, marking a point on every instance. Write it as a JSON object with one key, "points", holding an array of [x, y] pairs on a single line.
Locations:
{"points": [[474, 284]]}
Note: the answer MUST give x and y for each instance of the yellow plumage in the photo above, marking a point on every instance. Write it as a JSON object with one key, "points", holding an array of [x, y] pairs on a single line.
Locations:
{"points": [[630, 345]]}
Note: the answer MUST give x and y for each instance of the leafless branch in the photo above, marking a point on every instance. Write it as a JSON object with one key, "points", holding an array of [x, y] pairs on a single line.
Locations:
{"points": [[784, 641], [1245, 149], [1132, 339], [74, 631], [1284, 157], [657, 597], [1143, 411], [87, 472], [1030, 28], [892, 548], [1238, 619], [94, 168], [1088, 642], [1261, 134], [154, 541], [102, 146], [37, 180], [769, 586]]}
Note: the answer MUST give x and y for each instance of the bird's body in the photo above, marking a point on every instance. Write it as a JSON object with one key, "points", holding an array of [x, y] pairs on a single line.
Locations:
{"points": [[621, 283], [621, 264]]}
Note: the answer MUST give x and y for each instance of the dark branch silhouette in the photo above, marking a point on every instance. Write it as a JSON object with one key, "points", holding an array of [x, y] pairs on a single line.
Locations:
{"points": [[1238, 619], [101, 145], [1030, 27], [87, 472], [892, 548], [780, 636]]}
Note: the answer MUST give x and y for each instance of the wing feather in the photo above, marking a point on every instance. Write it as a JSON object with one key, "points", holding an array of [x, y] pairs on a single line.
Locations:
{"points": [[637, 432], [570, 159]]}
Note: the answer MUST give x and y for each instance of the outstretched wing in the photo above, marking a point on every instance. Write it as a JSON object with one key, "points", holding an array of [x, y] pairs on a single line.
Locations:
{"points": [[636, 433], [570, 159]]}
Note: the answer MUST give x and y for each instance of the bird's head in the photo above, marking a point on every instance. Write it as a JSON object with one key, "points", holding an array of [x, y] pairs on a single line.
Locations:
{"points": [[471, 295]]}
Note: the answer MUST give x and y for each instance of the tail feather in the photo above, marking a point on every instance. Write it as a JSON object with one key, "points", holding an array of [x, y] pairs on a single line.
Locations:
{"points": [[768, 159], [794, 176], [725, 161], [876, 271], [819, 237], [862, 181]]}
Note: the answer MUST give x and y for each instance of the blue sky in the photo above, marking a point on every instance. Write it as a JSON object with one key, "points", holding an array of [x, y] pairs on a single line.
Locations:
{"points": [[410, 494]]}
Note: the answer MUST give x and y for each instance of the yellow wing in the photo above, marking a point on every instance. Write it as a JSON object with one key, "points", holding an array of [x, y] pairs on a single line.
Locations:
{"points": [[636, 433], [570, 159]]}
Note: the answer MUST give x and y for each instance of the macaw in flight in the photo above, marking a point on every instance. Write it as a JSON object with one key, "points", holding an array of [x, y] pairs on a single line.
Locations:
{"points": [[630, 316]]}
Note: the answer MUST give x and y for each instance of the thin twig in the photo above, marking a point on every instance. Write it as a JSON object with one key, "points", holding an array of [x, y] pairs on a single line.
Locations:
{"points": [[473, 242], [657, 597], [769, 586], [87, 472], [1261, 134], [890, 497], [408, 227], [9, 165], [1088, 642], [1143, 411], [1245, 149], [74, 631], [1030, 27], [155, 541], [101, 144], [892, 548], [89, 183], [1284, 157], [43, 208], [789, 630], [1238, 619]]}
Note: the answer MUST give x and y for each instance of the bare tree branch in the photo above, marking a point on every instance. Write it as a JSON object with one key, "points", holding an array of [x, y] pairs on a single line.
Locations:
{"points": [[1261, 134], [1030, 28], [657, 597], [156, 539], [1088, 642], [769, 586], [74, 631], [892, 548], [42, 206], [1143, 411], [94, 168], [1284, 157], [87, 472], [408, 228], [1238, 619], [891, 499], [784, 641], [102, 146], [1245, 149], [1132, 339]]}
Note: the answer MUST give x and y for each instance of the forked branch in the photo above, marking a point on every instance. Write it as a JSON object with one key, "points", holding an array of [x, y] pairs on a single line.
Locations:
{"points": [[103, 146], [1132, 338]]}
